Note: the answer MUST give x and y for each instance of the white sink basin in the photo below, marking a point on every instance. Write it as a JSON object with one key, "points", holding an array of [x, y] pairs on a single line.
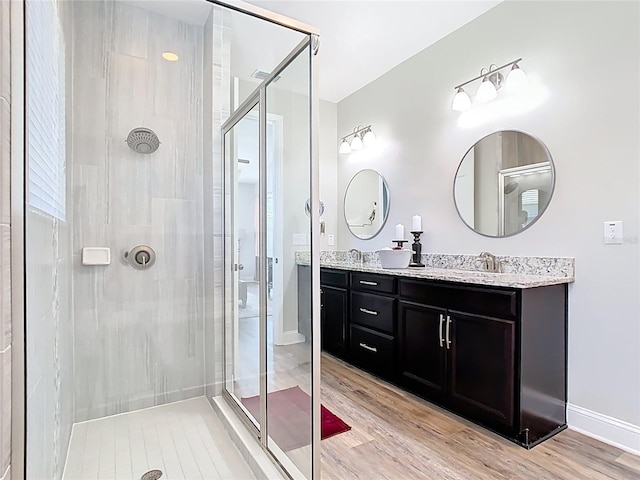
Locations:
{"points": [[394, 258]]}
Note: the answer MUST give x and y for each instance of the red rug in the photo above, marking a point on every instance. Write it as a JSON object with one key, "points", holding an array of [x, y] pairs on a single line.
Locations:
{"points": [[289, 415]]}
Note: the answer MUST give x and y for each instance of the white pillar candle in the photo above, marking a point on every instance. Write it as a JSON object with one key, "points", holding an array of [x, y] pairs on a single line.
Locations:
{"points": [[417, 223], [399, 232]]}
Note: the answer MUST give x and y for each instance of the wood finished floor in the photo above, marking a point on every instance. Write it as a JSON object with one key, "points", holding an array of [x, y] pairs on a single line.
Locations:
{"points": [[396, 435]]}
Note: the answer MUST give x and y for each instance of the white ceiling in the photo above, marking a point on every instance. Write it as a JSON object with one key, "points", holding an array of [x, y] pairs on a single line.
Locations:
{"points": [[362, 40]]}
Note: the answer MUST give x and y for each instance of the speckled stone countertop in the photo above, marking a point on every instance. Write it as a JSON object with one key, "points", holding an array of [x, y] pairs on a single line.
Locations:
{"points": [[516, 272]]}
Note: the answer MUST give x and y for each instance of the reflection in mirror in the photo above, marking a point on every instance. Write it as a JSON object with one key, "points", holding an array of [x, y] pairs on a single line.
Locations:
{"points": [[366, 204], [504, 183], [307, 207]]}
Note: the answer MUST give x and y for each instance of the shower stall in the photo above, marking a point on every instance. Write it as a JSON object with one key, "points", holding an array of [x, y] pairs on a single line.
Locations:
{"points": [[170, 147]]}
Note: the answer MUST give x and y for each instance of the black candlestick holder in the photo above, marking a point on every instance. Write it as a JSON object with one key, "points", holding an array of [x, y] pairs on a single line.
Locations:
{"points": [[399, 244], [417, 251]]}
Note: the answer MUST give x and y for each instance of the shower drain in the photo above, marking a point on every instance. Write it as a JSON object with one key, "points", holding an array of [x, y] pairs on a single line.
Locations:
{"points": [[152, 475]]}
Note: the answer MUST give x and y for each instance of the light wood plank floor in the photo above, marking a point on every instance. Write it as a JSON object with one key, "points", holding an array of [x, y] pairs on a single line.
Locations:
{"points": [[396, 435]]}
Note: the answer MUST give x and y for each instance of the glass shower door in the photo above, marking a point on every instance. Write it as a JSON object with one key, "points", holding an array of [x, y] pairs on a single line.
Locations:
{"points": [[242, 335], [269, 367], [288, 230]]}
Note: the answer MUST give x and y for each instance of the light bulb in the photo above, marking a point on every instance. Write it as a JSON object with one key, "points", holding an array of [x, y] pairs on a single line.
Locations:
{"points": [[461, 101], [516, 79], [344, 146], [356, 143], [369, 138], [486, 91], [170, 56]]}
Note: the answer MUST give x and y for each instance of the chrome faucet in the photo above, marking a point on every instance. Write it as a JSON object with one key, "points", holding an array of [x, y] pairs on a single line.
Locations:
{"points": [[355, 255], [489, 262]]}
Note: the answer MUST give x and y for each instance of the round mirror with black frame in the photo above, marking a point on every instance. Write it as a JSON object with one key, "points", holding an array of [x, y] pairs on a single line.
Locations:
{"points": [[504, 183], [366, 204]]}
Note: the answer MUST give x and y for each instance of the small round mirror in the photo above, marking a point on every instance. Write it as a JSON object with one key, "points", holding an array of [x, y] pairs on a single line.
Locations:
{"points": [[504, 183], [366, 204], [307, 207]]}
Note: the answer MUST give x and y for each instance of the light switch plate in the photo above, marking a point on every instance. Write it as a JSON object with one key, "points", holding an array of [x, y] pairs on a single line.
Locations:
{"points": [[613, 232], [331, 241], [299, 239]]}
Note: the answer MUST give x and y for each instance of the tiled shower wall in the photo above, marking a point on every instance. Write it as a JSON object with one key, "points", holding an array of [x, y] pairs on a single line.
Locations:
{"points": [[49, 319], [217, 68], [138, 334], [5, 245]]}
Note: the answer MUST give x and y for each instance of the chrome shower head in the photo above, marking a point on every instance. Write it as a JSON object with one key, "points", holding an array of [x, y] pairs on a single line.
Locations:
{"points": [[143, 140]]}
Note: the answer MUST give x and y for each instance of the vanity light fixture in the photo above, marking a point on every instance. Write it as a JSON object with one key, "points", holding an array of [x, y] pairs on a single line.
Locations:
{"points": [[362, 137], [492, 81]]}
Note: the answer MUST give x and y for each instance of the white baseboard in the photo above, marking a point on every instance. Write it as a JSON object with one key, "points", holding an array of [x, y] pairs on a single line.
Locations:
{"points": [[290, 337], [612, 431]]}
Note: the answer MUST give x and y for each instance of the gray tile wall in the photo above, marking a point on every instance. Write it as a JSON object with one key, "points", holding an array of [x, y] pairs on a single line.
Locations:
{"points": [[49, 323], [49, 344], [217, 69], [138, 334], [5, 245]]}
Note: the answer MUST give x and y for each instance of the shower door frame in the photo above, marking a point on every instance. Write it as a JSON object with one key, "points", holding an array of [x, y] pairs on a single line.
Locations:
{"points": [[259, 98]]}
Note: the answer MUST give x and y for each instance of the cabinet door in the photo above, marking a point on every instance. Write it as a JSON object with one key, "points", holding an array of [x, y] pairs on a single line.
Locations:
{"points": [[421, 349], [333, 316], [481, 368]]}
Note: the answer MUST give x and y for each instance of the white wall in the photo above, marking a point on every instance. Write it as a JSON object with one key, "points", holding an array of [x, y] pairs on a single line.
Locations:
{"points": [[247, 201], [585, 55], [329, 172], [5, 244]]}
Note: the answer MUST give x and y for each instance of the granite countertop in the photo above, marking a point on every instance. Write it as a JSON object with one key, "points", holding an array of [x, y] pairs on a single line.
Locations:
{"points": [[453, 275]]}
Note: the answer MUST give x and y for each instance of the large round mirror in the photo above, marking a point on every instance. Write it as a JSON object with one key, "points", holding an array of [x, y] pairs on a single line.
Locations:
{"points": [[366, 204], [504, 183]]}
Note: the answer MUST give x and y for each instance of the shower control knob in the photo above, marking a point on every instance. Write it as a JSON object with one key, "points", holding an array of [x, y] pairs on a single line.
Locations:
{"points": [[141, 257]]}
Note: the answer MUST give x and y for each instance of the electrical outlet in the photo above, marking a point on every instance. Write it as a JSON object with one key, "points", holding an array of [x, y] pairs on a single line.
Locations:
{"points": [[613, 232], [331, 241]]}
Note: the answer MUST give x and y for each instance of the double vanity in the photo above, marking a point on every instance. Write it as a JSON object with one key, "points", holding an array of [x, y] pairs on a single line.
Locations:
{"points": [[482, 336], [490, 347]]}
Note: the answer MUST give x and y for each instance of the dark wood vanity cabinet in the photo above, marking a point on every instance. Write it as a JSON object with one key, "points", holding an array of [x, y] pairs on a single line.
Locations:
{"points": [[421, 352], [373, 323], [495, 355], [458, 359], [481, 368], [334, 311]]}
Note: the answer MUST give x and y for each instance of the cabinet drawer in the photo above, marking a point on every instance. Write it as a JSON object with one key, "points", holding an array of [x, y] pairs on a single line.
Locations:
{"points": [[374, 283], [373, 311], [472, 299], [337, 278], [371, 350]]}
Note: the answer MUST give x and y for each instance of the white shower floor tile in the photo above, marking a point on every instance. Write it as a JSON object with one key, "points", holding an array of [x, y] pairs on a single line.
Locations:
{"points": [[185, 440]]}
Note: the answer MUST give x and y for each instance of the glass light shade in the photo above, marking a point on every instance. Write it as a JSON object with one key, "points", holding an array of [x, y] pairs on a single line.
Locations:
{"points": [[461, 101], [344, 147], [486, 91], [517, 79], [356, 143], [369, 138]]}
